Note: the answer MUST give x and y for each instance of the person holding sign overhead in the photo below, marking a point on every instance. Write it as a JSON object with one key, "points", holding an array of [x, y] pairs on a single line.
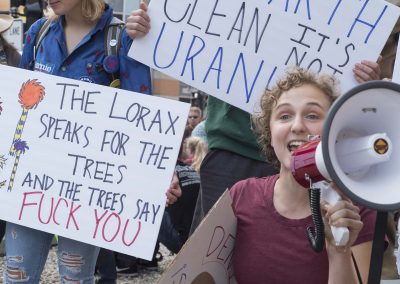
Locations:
{"points": [[73, 45], [234, 153], [274, 212]]}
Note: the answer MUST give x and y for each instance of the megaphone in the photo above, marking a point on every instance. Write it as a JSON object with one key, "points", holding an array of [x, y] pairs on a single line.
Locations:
{"points": [[359, 148]]}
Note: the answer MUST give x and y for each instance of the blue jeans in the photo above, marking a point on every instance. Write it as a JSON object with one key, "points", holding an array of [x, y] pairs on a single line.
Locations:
{"points": [[27, 251], [168, 235], [106, 267]]}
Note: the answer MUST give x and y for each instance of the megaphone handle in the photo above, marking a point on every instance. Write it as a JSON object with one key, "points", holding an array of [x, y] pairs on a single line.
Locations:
{"points": [[340, 234]]}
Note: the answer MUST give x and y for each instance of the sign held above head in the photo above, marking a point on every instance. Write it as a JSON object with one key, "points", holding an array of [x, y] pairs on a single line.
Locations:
{"points": [[234, 50]]}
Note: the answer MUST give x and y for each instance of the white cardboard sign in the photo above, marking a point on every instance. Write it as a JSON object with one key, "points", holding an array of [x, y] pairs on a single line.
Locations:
{"points": [[14, 35], [84, 161], [234, 50], [396, 68], [207, 255]]}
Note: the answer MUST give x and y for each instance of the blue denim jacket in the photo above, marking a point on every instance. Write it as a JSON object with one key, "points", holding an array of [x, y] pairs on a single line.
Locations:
{"points": [[86, 61]]}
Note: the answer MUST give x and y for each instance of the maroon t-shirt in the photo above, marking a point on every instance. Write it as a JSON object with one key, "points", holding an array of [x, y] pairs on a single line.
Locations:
{"points": [[270, 248]]}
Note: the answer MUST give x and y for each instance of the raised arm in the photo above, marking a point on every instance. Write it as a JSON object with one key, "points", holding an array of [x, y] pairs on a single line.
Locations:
{"points": [[138, 23]]}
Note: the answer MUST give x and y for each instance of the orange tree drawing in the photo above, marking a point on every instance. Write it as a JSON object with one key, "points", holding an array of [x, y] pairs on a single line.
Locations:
{"points": [[30, 95]]}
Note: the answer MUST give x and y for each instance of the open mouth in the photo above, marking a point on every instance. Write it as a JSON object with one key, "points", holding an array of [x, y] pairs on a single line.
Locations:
{"points": [[294, 144]]}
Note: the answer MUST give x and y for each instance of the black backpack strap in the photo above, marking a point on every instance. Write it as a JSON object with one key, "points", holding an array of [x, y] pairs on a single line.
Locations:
{"points": [[40, 36], [112, 40]]}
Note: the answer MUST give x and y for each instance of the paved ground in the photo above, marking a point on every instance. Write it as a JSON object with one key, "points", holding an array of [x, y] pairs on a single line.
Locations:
{"points": [[50, 274]]}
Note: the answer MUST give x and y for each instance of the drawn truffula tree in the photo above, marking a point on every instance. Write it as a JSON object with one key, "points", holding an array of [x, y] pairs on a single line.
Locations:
{"points": [[2, 163], [30, 95], [20, 148]]}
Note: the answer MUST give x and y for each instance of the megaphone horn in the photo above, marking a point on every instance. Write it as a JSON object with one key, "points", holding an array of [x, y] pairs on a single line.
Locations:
{"points": [[356, 150], [358, 147], [355, 155], [360, 144]]}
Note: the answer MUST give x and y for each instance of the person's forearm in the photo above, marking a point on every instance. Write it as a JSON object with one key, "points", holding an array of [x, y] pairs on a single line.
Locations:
{"points": [[341, 268]]}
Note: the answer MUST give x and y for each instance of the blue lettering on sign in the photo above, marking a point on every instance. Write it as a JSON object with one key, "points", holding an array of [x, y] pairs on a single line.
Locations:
{"points": [[197, 46], [241, 61], [334, 11], [271, 77], [156, 48], [373, 26], [219, 54], [286, 6], [297, 7], [190, 57], [308, 8]]}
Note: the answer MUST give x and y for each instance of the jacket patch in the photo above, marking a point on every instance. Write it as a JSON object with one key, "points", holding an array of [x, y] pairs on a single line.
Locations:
{"points": [[45, 68], [86, 79]]}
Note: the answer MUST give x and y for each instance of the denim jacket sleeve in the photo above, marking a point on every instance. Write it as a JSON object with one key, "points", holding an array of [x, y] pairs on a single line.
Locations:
{"points": [[29, 43], [134, 75]]}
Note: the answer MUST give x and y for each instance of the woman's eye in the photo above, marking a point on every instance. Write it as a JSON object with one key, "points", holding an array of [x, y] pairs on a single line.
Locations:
{"points": [[284, 117], [313, 116]]}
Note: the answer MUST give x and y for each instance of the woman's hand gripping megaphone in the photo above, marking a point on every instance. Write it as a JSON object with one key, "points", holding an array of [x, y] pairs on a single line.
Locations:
{"points": [[340, 214], [307, 166]]}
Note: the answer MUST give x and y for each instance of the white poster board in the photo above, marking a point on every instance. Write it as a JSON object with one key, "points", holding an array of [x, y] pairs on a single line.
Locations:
{"points": [[207, 255], [233, 49], [14, 35], [396, 68], [89, 162]]}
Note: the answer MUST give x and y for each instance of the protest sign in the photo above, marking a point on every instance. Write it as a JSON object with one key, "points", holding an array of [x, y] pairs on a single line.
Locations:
{"points": [[396, 68], [234, 50], [14, 35], [87, 162], [207, 255]]}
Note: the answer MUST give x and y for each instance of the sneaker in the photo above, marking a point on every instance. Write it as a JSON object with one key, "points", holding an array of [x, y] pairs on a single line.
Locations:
{"points": [[127, 271], [151, 265], [102, 281], [148, 265]]}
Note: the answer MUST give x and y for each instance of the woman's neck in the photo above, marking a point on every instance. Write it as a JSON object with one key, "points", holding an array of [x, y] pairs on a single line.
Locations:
{"points": [[75, 20], [290, 199], [75, 16], [76, 27]]}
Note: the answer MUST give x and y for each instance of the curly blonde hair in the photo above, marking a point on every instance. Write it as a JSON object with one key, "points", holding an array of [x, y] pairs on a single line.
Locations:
{"points": [[294, 78]]}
